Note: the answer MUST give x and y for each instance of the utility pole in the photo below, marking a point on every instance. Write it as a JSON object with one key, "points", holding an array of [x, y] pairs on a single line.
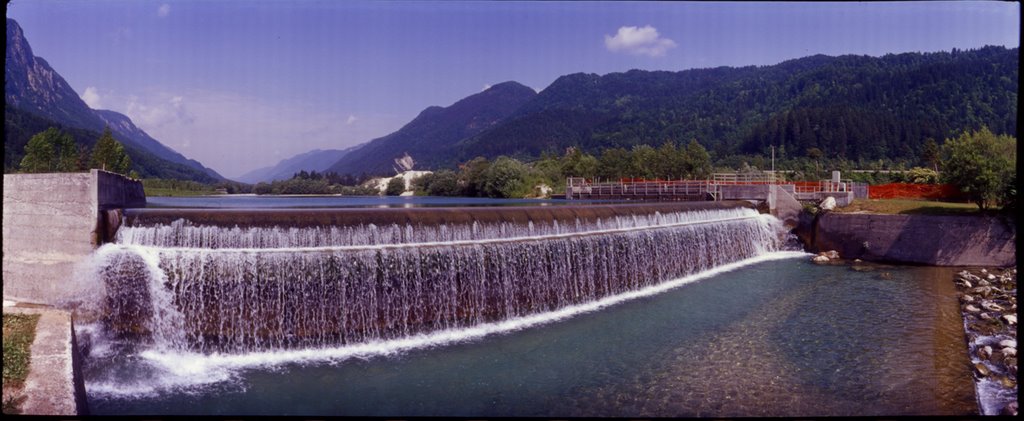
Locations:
{"points": [[773, 164]]}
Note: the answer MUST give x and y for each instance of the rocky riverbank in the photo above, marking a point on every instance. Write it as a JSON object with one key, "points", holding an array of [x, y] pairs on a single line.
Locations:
{"points": [[988, 301]]}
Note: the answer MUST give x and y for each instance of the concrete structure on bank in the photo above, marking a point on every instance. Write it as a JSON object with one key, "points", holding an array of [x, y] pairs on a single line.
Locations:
{"points": [[54, 385], [53, 222], [919, 239]]}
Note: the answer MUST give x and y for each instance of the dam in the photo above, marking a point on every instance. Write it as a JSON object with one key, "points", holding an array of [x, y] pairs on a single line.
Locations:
{"points": [[640, 309], [258, 285]]}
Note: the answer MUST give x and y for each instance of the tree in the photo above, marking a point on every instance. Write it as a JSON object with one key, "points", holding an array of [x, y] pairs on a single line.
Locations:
{"points": [[50, 150], [930, 154], [395, 187], [981, 165], [109, 154], [579, 164], [696, 161], [505, 178], [614, 164]]}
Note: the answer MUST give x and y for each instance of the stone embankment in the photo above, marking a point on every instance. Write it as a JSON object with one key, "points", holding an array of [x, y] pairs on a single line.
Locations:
{"points": [[988, 300]]}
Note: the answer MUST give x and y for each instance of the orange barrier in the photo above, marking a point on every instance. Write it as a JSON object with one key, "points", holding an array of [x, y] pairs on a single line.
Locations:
{"points": [[915, 191]]}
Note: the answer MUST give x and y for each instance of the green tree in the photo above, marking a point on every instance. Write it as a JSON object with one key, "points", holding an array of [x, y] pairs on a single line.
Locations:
{"points": [[668, 162], [643, 161], [981, 165], [577, 163], [109, 154], [50, 150], [930, 154], [696, 161], [395, 187], [505, 178], [614, 164], [471, 176]]}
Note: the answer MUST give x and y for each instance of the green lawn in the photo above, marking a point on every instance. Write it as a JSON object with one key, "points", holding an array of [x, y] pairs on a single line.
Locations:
{"points": [[907, 206], [19, 331]]}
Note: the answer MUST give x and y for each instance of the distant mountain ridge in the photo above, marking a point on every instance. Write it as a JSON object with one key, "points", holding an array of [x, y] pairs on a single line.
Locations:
{"points": [[32, 86], [430, 137], [315, 160], [852, 107]]}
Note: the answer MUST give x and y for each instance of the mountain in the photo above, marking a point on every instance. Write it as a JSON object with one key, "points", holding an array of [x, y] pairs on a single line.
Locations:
{"points": [[430, 138], [315, 160], [854, 107], [32, 86], [123, 128]]}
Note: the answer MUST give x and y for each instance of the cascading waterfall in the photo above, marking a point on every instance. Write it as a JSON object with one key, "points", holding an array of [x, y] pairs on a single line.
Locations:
{"points": [[210, 289]]}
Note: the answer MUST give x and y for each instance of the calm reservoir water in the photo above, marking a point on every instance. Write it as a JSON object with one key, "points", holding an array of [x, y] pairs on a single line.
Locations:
{"points": [[243, 201], [774, 336]]}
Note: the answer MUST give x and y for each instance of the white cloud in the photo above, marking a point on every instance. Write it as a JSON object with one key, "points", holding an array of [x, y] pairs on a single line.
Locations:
{"points": [[351, 119], [91, 96], [638, 41], [154, 113], [163, 10]]}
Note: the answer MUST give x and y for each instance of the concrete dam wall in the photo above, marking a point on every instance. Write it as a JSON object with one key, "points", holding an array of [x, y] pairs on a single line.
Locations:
{"points": [[919, 239], [52, 222]]}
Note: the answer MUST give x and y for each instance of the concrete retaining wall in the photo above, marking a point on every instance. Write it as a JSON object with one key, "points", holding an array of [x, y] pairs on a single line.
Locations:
{"points": [[54, 385], [51, 223], [921, 239]]}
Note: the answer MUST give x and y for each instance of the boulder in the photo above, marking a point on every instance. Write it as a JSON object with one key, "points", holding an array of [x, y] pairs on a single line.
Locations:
{"points": [[990, 306], [831, 254], [1010, 319], [819, 259], [1009, 352], [1008, 343], [828, 204], [971, 309], [967, 298], [982, 370]]}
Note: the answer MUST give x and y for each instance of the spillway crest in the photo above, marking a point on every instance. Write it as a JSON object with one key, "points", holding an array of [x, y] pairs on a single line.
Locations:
{"points": [[203, 288]]}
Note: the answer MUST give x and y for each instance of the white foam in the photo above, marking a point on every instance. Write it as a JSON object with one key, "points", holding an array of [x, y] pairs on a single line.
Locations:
{"points": [[181, 370]]}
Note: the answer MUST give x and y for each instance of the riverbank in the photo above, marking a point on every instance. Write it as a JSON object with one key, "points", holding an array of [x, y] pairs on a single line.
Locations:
{"points": [[988, 303], [934, 240]]}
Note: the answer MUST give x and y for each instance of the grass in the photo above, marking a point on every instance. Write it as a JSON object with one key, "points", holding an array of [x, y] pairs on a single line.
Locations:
{"points": [[19, 332], [910, 207]]}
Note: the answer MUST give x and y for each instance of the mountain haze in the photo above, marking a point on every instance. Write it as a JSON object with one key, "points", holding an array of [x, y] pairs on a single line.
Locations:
{"points": [[431, 136], [31, 86], [315, 160]]}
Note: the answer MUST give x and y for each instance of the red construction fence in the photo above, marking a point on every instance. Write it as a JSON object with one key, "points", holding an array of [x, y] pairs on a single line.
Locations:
{"points": [[946, 192]]}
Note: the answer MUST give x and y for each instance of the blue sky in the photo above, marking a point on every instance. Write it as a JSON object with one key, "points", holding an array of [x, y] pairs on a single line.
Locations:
{"points": [[242, 84]]}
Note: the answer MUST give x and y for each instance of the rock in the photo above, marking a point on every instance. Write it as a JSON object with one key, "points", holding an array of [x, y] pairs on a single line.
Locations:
{"points": [[1010, 409], [984, 283], [965, 283], [984, 352], [981, 370], [1010, 319], [828, 204], [1006, 382], [991, 277], [831, 254], [1008, 343], [990, 306], [967, 298], [971, 309], [982, 291], [983, 270], [1009, 352], [986, 317], [856, 260], [819, 259]]}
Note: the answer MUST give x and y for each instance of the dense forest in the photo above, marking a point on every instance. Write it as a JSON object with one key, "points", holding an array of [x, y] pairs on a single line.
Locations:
{"points": [[856, 108]]}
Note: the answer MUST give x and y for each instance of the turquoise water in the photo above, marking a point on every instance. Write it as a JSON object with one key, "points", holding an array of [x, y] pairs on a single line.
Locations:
{"points": [[267, 201], [771, 338]]}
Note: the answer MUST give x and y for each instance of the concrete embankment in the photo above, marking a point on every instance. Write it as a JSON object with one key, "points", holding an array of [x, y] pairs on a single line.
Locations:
{"points": [[54, 385], [946, 240], [52, 222]]}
